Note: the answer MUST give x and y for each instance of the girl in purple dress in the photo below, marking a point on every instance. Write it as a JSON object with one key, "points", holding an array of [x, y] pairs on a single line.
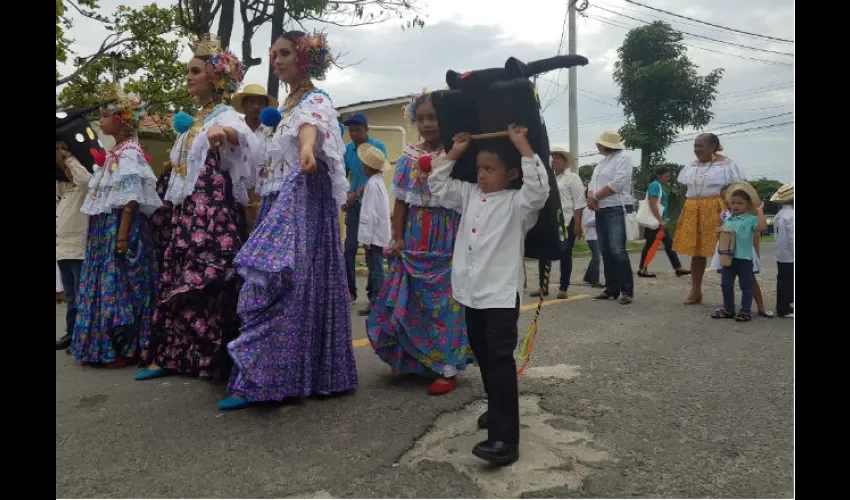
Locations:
{"points": [[295, 339]]}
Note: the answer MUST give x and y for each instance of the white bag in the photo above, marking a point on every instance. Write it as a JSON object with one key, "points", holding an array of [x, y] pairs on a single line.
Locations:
{"points": [[645, 217], [632, 227]]}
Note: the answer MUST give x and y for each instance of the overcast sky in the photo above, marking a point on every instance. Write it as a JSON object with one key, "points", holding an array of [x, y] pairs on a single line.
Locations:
{"points": [[473, 34]]}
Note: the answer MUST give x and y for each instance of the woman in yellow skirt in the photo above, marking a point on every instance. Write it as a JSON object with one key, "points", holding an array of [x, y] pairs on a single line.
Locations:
{"points": [[696, 234]]}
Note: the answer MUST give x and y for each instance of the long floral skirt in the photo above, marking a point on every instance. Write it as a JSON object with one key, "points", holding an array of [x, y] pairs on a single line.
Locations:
{"points": [[161, 219], [117, 295], [196, 310], [295, 339], [696, 234], [416, 326]]}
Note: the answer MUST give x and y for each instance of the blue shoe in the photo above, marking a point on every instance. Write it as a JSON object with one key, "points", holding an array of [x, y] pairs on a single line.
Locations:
{"points": [[147, 374], [233, 403]]}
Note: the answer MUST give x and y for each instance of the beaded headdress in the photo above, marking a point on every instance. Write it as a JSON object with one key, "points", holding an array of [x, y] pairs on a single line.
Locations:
{"points": [[129, 107], [206, 46]]}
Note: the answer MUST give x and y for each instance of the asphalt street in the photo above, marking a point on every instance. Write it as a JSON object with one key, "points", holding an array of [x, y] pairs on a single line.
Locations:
{"points": [[654, 399]]}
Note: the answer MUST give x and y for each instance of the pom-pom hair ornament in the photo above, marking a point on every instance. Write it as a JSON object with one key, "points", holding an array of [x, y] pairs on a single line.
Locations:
{"points": [[270, 117], [182, 121], [410, 107]]}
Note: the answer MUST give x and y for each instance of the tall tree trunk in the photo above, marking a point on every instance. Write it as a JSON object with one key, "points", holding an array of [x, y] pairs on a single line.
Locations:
{"points": [[645, 155], [225, 22], [278, 17]]}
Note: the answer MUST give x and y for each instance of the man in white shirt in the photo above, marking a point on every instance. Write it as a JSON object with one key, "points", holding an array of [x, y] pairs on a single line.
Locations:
{"points": [[71, 234], [784, 225], [251, 102], [373, 230], [573, 202], [609, 195]]}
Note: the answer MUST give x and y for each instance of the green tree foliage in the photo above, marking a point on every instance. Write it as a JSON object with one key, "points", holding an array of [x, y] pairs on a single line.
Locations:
{"points": [[766, 188], [586, 172], [660, 90], [147, 65]]}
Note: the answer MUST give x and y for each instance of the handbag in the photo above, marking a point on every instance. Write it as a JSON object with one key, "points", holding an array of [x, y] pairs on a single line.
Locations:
{"points": [[645, 217], [726, 247]]}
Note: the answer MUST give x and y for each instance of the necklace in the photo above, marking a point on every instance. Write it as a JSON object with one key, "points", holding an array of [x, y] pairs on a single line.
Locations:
{"points": [[112, 166], [181, 167], [298, 91]]}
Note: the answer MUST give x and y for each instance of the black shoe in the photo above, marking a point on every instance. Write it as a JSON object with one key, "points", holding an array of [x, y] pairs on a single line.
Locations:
{"points": [[484, 420], [497, 452], [364, 312], [63, 343]]}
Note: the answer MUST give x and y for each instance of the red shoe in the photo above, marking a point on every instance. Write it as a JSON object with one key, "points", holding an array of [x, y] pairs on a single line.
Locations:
{"points": [[119, 363], [442, 386]]}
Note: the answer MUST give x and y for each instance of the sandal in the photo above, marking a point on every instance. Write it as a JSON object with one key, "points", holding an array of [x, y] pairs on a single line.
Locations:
{"points": [[683, 272], [644, 274], [767, 314], [604, 296], [691, 301], [742, 317], [721, 314], [625, 300], [562, 295]]}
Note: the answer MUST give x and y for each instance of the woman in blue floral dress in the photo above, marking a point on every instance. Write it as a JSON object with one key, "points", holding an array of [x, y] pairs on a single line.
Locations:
{"points": [[117, 292], [416, 326]]}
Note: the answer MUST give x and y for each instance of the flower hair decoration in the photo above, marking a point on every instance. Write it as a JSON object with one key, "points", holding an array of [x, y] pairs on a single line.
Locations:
{"points": [[313, 55], [228, 72], [129, 107], [410, 107]]}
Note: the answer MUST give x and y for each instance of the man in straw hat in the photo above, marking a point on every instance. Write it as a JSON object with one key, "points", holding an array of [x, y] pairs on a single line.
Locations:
{"points": [[373, 230], [573, 202], [251, 102], [609, 195], [784, 225]]}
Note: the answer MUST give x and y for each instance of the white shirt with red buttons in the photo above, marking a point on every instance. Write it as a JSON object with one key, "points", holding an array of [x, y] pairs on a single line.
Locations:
{"points": [[487, 265]]}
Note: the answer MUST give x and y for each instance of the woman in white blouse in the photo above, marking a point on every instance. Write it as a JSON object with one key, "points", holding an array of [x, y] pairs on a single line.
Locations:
{"points": [[696, 234]]}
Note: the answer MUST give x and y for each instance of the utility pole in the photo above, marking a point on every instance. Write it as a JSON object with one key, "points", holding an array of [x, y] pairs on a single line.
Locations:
{"points": [[573, 85], [573, 82]]}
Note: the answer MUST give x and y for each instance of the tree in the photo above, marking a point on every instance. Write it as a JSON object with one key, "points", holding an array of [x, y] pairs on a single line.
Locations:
{"points": [[660, 90], [120, 37], [586, 172], [149, 65], [197, 16], [766, 188]]}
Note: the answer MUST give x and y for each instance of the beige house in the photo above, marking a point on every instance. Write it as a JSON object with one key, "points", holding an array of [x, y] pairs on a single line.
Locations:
{"points": [[386, 124]]}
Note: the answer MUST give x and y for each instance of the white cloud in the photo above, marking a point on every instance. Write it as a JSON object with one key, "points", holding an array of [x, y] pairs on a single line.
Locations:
{"points": [[474, 34]]}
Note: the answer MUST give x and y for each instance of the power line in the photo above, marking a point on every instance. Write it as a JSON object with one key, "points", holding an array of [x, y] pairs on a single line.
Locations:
{"points": [[610, 22], [699, 36], [735, 133], [759, 35]]}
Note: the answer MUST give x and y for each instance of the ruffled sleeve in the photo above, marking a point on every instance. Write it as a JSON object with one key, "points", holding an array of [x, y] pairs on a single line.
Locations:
{"points": [[238, 160], [410, 184], [686, 175], [733, 173], [125, 178], [316, 109]]}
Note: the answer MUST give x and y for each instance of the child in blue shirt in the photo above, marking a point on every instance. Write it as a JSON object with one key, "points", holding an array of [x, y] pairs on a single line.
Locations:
{"points": [[742, 199]]}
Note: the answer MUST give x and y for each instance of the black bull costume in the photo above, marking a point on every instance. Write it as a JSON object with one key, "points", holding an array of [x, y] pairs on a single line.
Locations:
{"points": [[487, 101], [76, 132]]}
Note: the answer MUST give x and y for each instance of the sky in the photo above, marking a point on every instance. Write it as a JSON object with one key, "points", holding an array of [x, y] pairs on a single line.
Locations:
{"points": [[753, 111]]}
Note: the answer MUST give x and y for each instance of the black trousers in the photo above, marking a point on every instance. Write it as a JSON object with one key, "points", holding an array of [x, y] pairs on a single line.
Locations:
{"points": [[649, 236], [784, 288], [493, 337]]}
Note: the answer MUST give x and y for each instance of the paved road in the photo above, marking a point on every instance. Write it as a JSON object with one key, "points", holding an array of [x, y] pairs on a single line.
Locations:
{"points": [[650, 400]]}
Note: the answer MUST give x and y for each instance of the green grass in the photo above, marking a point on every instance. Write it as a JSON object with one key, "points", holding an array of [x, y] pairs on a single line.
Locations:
{"points": [[768, 238]]}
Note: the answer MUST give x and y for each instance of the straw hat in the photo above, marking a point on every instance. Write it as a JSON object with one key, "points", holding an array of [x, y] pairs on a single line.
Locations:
{"points": [[372, 157], [610, 139], [747, 188], [252, 90], [785, 193]]}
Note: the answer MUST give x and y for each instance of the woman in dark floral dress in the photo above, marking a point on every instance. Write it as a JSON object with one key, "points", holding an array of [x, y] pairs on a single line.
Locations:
{"points": [[199, 287]]}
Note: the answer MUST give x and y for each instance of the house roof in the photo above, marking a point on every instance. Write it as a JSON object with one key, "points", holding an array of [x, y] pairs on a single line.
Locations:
{"points": [[378, 103], [155, 123]]}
